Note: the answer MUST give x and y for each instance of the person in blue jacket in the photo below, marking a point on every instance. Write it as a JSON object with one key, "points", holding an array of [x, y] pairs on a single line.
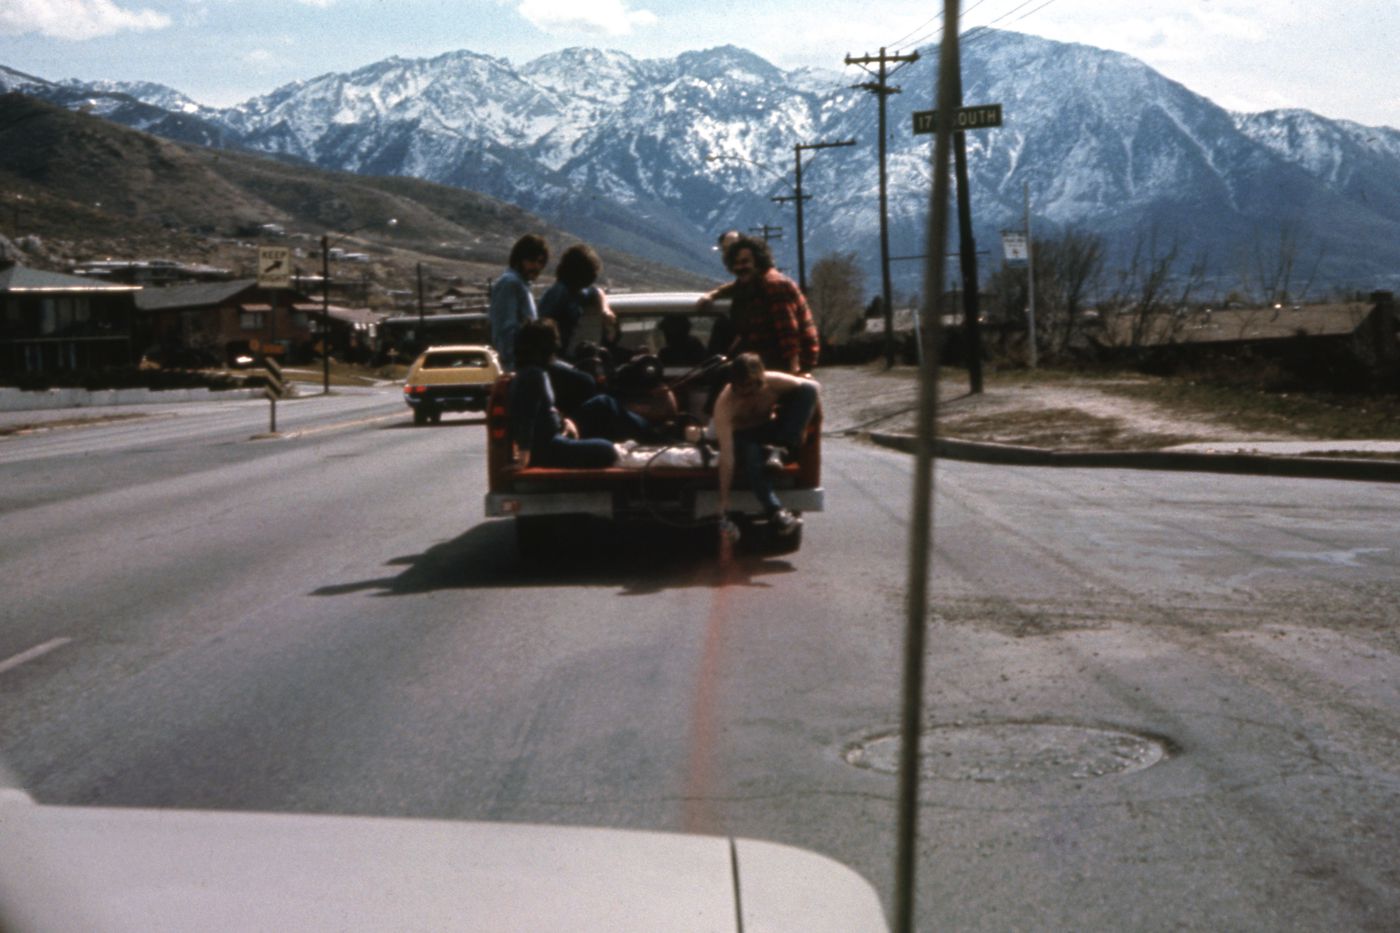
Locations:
{"points": [[512, 304]]}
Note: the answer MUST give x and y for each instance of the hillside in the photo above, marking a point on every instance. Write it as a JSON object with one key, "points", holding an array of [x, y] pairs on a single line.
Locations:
{"points": [[77, 187]]}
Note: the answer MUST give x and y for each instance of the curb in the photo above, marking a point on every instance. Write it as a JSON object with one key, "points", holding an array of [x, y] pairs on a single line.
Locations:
{"points": [[18, 400], [1254, 464]]}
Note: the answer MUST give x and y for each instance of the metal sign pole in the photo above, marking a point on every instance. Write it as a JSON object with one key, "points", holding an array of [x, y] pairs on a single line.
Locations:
{"points": [[1030, 281]]}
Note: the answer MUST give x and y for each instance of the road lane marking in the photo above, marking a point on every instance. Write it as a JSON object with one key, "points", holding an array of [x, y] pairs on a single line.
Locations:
{"points": [[32, 653]]}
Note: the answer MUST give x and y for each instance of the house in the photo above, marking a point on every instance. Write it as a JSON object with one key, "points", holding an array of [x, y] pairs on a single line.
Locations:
{"points": [[354, 332], [218, 322], [50, 321]]}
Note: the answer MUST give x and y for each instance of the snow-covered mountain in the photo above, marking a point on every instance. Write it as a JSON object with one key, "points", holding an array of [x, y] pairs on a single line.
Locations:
{"points": [[655, 156]]}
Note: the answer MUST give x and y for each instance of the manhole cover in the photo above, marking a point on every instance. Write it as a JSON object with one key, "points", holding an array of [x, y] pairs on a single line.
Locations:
{"points": [[1015, 752]]}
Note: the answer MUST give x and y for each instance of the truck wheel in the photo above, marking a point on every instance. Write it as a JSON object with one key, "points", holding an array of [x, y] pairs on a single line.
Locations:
{"points": [[784, 544], [420, 417]]}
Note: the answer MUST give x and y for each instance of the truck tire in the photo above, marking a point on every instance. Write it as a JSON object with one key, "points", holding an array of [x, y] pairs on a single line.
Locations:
{"points": [[420, 417], [784, 544], [756, 537]]}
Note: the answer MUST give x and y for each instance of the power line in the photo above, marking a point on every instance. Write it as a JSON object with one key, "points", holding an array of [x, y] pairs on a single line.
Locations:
{"points": [[978, 31], [904, 40], [932, 19], [1019, 6]]}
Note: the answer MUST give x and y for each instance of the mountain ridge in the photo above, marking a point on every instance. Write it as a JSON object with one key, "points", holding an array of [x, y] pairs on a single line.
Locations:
{"points": [[661, 153]]}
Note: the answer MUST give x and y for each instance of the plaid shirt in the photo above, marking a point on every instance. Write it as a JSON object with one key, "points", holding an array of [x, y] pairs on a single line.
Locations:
{"points": [[773, 320]]}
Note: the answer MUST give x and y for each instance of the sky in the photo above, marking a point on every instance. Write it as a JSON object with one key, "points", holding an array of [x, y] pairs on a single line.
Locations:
{"points": [[1246, 55]]}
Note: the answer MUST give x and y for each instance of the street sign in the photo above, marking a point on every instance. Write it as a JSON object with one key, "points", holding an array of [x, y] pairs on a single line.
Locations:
{"points": [[274, 267], [978, 117], [1013, 245]]}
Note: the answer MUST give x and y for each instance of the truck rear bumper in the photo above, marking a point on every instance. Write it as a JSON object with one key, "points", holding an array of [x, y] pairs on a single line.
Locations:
{"points": [[605, 504]]}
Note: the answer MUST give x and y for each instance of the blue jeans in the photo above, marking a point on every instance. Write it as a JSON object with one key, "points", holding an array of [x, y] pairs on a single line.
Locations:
{"points": [[605, 416], [790, 420], [572, 453]]}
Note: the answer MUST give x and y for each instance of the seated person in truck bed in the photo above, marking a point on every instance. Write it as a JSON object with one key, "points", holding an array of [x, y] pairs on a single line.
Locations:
{"points": [[760, 414], [543, 435]]}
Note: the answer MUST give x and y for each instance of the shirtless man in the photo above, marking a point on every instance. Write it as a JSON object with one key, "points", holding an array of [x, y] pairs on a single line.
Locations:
{"points": [[758, 415]]}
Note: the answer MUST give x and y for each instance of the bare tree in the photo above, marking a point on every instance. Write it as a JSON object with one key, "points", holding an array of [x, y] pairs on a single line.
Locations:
{"points": [[1068, 269], [1152, 289], [1268, 274], [835, 291]]}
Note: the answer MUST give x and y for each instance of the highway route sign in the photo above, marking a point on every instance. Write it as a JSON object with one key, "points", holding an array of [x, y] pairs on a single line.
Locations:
{"points": [[977, 117]]}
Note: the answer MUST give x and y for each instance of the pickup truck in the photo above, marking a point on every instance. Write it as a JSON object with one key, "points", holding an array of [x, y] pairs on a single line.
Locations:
{"points": [[546, 502]]}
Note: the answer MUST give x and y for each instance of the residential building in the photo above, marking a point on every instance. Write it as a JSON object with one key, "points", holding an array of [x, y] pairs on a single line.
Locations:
{"points": [[218, 322], [51, 322]]}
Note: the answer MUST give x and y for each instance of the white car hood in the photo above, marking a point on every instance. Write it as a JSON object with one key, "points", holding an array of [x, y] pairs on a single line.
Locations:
{"points": [[88, 868]]}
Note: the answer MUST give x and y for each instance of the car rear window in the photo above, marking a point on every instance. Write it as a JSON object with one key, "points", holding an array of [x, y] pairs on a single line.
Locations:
{"points": [[456, 360], [688, 337]]}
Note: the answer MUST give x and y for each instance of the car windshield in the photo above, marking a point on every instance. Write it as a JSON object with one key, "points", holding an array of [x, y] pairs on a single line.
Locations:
{"points": [[456, 359]]}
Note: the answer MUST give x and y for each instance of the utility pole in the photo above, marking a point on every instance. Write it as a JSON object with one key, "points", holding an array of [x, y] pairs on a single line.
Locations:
{"points": [[1030, 280], [967, 248], [422, 324], [767, 232], [325, 314], [799, 197], [882, 90]]}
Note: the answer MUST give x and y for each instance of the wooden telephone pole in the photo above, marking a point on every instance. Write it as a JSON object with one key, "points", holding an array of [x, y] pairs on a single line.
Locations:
{"points": [[881, 89]]}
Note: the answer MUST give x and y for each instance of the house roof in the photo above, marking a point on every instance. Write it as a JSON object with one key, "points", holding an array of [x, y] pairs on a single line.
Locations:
{"points": [[204, 295], [193, 295], [17, 279]]}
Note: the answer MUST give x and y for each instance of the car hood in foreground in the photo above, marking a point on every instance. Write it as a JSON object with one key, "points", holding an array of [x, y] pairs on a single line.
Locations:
{"points": [[70, 868]]}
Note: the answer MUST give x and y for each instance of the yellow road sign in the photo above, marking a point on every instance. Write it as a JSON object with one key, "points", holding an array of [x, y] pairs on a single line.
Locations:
{"points": [[274, 267]]}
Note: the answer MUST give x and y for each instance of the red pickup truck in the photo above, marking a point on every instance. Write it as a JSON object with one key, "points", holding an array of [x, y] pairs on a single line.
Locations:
{"points": [[545, 500]]}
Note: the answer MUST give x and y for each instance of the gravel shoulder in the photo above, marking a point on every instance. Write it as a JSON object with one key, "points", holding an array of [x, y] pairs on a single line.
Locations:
{"points": [[1060, 413]]}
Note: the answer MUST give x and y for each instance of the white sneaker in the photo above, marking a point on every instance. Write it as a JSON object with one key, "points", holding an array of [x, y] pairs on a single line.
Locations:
{"points": [[784, 522]]}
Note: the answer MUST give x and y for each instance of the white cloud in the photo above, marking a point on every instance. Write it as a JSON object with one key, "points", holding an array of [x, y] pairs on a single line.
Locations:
{"points": [[74, 19], [609, 17]]}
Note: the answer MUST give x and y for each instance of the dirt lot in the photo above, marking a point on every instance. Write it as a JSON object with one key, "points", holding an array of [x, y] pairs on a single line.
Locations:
{"points": [[1070, 412]]}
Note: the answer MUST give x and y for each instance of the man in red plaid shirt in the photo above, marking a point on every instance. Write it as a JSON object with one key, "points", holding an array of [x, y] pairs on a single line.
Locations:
{"points": [[770, 314]]}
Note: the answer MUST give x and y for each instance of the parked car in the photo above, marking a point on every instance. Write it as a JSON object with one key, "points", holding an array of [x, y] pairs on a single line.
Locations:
{"points": [[451, 378]]}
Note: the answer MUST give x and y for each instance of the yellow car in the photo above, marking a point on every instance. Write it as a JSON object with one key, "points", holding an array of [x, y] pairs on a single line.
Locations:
{"points": [[451, 378]]}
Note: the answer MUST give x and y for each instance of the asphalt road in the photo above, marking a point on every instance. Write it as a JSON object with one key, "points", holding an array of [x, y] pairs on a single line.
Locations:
{"points": [[1155, 701]]}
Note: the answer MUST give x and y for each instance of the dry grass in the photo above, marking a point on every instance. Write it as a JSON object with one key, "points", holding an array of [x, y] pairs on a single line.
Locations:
{"points": [[1059, 428], [1100, 410], [1336, 417]]}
